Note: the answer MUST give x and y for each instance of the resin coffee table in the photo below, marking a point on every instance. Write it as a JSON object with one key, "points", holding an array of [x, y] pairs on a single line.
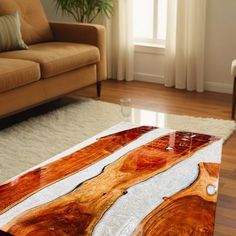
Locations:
{"points": [[128, 180]]}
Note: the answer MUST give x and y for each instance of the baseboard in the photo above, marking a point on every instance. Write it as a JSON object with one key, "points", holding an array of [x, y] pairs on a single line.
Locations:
{"points": [[159, 79], [219, 87], [209, 86]]}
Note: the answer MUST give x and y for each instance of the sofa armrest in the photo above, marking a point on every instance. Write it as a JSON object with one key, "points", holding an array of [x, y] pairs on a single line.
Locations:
{"points": [[84, 33]]}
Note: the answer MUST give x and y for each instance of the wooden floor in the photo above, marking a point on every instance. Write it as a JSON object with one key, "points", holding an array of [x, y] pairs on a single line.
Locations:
{"points": [[169, 100], [158, 98]]}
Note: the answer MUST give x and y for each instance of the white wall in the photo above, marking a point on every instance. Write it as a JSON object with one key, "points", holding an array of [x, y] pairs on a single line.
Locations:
{"points": [[52, 14], [220, 47], [220, 44], [149, 64]]}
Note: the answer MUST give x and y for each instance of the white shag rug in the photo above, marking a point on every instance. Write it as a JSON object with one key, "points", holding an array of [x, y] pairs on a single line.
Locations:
{"points": [[39, 138]]}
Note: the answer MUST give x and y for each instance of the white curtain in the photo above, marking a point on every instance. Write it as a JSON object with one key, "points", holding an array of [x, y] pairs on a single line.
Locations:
{"points": [[185, 44], [120, 46]]}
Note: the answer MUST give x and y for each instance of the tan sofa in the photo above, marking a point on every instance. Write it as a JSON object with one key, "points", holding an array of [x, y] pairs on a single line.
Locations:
{"points": [[62, 57]]}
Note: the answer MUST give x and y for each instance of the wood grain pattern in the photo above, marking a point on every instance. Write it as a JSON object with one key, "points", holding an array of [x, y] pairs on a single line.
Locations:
{"points": [[25, 185], [188, 212], [77, 213], [157, 97]]}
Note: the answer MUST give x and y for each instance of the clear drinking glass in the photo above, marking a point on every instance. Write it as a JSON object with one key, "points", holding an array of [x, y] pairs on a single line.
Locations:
{"points": [[125, 105]]}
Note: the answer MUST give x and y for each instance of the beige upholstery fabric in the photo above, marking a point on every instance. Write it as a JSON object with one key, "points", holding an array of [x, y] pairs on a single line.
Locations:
{"points": [[34, 24], [41, 91], [16, 73], [10, 34], [57, 57], [84, 33], [233, 68]]}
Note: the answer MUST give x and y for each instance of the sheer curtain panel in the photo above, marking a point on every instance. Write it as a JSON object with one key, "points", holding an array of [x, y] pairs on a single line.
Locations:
{"points": [[185, 44], [120, 45]]}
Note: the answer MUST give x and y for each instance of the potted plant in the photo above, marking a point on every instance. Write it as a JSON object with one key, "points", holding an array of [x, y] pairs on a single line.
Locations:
{"points": [[86, 10]]}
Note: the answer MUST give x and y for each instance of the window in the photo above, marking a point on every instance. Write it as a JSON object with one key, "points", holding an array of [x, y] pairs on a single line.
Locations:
{"points": [[150, 19]]}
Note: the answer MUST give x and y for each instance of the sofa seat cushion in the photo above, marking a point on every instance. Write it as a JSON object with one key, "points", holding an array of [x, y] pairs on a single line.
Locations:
{"points": [[16, 73], [57, 57]]}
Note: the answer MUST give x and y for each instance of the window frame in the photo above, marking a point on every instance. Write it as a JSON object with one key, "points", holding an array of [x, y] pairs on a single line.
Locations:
{"points": [[154, 40]]}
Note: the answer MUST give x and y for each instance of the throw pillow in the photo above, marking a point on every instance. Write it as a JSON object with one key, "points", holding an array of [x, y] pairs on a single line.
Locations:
{"points": [[10, 34]]}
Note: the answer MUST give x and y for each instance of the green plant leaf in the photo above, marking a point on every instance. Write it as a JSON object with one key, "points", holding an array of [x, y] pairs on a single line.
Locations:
{"points": [[86, 10]]}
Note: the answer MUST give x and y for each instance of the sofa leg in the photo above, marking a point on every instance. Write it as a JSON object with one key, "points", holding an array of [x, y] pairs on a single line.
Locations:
{"points": [[99, 87], [234, 99]]}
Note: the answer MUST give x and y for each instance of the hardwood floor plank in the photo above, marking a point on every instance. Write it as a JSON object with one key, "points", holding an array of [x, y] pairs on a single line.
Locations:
{"points": [[226, 213], [221, 230]]}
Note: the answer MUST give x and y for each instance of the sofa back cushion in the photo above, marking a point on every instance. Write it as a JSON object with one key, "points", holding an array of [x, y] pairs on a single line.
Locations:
{"points": [[34, 25]]}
